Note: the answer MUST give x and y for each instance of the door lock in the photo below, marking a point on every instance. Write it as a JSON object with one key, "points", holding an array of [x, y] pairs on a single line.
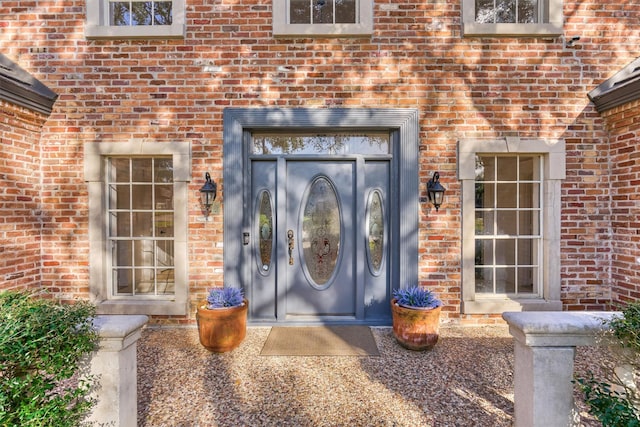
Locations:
{"points": [[245, 238]]}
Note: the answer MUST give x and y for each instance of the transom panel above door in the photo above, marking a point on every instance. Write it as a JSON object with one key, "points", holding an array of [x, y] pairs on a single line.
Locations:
{"points": [[313, 198]]}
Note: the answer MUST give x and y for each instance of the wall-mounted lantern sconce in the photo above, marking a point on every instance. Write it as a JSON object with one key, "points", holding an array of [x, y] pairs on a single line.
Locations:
{"points": [[435, 191], [208, 193]]}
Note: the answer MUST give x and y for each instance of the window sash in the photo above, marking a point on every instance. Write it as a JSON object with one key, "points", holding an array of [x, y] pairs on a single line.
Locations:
{"points": [[98, 25], [508, 254], [316, 12], [141, 261], [549, 18], [140, 13], [511, 11], [284, 25]]}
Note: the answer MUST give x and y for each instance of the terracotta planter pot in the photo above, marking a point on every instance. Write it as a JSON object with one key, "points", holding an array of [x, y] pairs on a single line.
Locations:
{"points": [[222, 329], [414, 328]]}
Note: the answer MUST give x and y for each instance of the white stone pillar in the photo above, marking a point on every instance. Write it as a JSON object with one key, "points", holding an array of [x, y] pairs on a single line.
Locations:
{"points": [[545, 345], [114, 367]]}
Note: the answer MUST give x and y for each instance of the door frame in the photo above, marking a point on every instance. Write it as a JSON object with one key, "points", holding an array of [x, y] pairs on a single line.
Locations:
{"points": [[404, 190]]}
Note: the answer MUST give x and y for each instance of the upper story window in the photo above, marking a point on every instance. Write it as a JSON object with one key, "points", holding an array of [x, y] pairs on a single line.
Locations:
{"points": [[512, 17], [135, 19], [125, 13], [337, 18]]}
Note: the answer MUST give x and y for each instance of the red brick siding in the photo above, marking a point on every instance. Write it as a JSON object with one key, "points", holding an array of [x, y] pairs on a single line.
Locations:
{"points": [[19, 197], [624, 125], [463, 88]]}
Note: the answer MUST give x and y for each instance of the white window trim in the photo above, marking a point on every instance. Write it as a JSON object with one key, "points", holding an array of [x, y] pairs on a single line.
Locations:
{"points": [[97, 25], [95, 154], [282, 28], [472, 28], [553, 152]]}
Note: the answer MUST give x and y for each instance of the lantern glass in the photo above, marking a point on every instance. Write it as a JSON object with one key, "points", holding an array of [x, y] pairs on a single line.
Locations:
{"points": [[435, 191], [437, 197], [208, 192], [205, 197]]}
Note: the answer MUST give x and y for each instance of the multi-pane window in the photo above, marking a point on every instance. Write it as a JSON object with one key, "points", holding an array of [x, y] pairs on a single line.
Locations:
{"points": [[507, 225], [511, 201], [512, 11], [140, 212], [136, 12], [322, 17], [512, 17], [125, 19], [138, 208], [323, 11]]}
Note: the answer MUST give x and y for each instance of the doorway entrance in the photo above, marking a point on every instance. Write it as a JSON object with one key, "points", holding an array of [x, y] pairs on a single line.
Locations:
{"points": [[321, 212]]}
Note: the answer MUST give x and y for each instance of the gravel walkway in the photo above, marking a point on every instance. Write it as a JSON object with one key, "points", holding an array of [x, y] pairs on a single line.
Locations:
{"points": [[466, 380]]}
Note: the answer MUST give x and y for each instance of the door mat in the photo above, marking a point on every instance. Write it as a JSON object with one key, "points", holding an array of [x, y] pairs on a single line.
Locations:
{"points": [[320, 341]]}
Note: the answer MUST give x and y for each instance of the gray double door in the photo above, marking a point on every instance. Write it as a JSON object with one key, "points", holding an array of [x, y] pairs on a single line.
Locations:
{"points": [[318, 238]]}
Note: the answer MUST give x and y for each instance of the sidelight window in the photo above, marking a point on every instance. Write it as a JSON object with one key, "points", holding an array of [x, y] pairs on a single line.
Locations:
{"points": [[376, 231], [265, 232]]}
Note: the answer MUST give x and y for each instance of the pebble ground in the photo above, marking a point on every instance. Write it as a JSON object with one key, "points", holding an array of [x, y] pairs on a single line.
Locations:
{"points": [[466, 380]]}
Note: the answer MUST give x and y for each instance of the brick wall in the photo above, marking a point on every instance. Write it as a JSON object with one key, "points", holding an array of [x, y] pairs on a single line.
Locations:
{"points": [[19, 192], [624, 125], [463, 87]]}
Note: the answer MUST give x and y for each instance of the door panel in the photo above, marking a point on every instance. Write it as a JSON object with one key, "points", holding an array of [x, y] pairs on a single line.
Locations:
{"points": [[320, 279], [262, 292], [377, 292], [339, 216]]}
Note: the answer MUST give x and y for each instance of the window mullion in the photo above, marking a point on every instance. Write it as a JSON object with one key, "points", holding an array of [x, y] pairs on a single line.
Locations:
{"points": [[132, 241], [516, 284], [153, 227]]}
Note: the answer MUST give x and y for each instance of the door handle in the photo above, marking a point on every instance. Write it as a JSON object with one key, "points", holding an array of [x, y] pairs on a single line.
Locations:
{"points": [[291, 241]]}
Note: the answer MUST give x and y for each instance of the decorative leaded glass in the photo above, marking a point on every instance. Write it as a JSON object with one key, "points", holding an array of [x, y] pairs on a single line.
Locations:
{"points": [[375, 232], [321, 231], [265, 230], [370, 143]]}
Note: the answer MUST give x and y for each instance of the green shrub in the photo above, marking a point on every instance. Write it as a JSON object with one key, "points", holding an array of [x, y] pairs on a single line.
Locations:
{"points": [[42, 344], [612, 401]]}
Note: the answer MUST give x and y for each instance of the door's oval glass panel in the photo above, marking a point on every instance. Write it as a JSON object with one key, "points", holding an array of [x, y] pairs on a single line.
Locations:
{"points": [[375, 232], [265, 231], [321, 231]]}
